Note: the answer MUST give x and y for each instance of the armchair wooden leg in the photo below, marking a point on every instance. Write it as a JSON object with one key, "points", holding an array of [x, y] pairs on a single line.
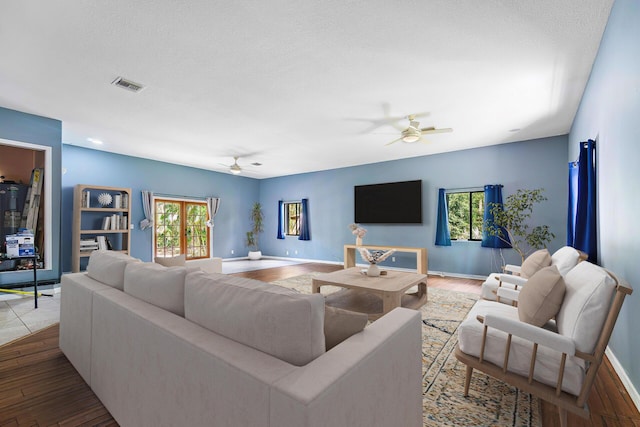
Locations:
{"points": [[563, 417], [467, 380]]}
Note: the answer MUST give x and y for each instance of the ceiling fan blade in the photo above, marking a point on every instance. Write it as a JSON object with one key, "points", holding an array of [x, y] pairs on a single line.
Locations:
{"points": [[394, 141], [432, 130]]}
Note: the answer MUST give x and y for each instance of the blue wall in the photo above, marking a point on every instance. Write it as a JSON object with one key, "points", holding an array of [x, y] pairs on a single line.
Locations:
{"points": [[529, 164], [18, 126], [84, 166], [609, 113]]}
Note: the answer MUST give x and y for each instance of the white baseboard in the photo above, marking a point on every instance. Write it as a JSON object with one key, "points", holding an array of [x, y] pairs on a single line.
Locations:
{"points": [[626, 381]]}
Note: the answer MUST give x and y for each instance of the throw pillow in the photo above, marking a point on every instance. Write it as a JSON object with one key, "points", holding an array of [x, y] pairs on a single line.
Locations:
{"points": [[541, 298], [176, 261], [534, 262], [157, 285], [340, 324]]}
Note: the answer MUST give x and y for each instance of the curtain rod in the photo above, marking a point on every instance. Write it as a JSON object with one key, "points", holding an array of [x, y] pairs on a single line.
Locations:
{"points": [[179, 196], [463, 189]]}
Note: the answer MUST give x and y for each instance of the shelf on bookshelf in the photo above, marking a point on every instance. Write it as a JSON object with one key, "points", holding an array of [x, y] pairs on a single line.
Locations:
{"points": [[123, 230], [103, 210]]}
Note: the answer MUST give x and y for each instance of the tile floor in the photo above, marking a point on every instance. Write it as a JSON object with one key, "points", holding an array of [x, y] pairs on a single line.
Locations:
{"points": [[18, 317]]}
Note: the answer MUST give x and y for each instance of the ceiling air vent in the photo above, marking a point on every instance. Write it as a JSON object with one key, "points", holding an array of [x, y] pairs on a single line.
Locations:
{"points": [[127, 84]]}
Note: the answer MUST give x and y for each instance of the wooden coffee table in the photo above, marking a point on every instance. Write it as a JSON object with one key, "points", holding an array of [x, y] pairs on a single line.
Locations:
{"points": [[375, 296]]}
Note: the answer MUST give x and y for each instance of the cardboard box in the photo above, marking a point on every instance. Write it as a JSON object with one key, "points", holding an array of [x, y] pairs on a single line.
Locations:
{"points": [[20, 245]]}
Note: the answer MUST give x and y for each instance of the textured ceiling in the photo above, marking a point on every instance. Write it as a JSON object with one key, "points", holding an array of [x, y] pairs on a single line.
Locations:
{"points": [[297, 86]]}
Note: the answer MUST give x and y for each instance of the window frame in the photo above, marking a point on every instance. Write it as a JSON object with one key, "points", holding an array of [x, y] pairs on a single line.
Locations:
{"points": [[288, 219], [470, 222], [183, 203]]}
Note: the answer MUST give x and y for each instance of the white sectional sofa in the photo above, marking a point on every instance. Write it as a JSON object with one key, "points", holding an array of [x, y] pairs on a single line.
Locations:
{"points": [[180, 347]]}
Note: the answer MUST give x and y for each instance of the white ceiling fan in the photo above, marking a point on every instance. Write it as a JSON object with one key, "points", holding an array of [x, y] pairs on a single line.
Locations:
{"points": [[414, 133], [235, 167]]}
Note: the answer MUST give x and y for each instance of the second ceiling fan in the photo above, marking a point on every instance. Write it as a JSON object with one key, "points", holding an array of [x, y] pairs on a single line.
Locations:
{"points": [[414, 133]]}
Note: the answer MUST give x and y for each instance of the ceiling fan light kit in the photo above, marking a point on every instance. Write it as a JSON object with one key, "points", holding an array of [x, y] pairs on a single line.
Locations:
{"points": [[235, 167], [413, 133]]}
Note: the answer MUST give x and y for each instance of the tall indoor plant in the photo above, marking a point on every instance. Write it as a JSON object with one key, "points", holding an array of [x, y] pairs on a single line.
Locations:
{"points": [[257, 226], [511, 222]]}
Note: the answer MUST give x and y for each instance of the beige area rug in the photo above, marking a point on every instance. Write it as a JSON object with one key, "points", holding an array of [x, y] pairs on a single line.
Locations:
{"points": [[490, 403]]}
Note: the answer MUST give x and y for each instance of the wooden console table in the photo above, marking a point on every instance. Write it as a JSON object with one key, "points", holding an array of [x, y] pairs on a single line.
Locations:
{"points": [[421, 255]]}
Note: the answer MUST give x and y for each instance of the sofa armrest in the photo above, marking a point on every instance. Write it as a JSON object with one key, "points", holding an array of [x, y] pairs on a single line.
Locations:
{"points": [[208, 265], [374, 376]]}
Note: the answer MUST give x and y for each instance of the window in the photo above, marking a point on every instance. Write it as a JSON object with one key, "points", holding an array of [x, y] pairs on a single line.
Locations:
{"points": [[180, 228], [292, 218], [466, 210]]}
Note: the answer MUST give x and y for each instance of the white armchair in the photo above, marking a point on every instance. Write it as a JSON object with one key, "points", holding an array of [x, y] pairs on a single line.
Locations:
{"points": [[515, 276], [557, 361]]}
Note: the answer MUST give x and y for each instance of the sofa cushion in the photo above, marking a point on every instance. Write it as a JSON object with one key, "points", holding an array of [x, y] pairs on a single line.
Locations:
{"points": [[175, 261], [541, 298], [565, 259], [269, 318], [157, 285], [534, 262], [586, 304], [108, 267], [340, 324], [470, 335]]}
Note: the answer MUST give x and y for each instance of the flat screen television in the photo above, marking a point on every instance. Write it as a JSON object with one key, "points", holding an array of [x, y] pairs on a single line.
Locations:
{"points": [[389, 203]]}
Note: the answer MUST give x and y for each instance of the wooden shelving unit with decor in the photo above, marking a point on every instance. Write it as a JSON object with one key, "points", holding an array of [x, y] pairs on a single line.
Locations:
{"points": [[90, 222]]}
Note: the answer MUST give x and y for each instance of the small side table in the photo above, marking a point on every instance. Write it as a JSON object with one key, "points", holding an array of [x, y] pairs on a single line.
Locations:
{"points": [[33, 257]]}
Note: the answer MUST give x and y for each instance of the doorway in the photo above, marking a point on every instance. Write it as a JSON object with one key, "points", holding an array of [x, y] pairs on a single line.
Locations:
{"points": [[18, 161]]}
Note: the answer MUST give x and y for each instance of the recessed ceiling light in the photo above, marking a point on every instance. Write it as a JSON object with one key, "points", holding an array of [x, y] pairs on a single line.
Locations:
{"points": [[95, 141]]}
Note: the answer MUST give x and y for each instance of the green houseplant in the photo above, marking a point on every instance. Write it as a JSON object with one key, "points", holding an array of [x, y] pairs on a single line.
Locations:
{"points": [[511, 222], [257, 226]]}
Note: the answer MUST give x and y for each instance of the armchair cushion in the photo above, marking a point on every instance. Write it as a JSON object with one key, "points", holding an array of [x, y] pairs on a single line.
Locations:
{"points": [[589, 289], [534, 262], [541, 299], [547, 360]]}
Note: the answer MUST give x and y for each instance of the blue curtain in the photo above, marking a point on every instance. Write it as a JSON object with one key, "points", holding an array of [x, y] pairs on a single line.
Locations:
{"points": [[280, 219], [443, 237], [492, 194], [573, 203], [586, 233], [304, 221]]}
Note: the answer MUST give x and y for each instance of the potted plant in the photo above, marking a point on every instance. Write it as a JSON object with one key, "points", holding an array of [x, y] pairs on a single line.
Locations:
{"points": [[257, 226], [510, 222]]}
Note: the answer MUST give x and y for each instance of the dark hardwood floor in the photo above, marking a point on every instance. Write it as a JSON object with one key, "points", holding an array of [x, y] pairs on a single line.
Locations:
{"points": [[39, 387]]}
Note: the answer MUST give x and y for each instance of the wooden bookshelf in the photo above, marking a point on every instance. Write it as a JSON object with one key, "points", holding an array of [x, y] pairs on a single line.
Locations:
{"points": [[89, 217]]}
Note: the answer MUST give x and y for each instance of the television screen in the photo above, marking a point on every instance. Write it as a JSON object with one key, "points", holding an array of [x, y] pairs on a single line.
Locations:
{"points": [[389, 203]]}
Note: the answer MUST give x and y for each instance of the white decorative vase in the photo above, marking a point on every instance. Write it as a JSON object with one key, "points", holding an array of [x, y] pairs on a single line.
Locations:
{"points": [[373, 270], [358, 241], [255, 255]]}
